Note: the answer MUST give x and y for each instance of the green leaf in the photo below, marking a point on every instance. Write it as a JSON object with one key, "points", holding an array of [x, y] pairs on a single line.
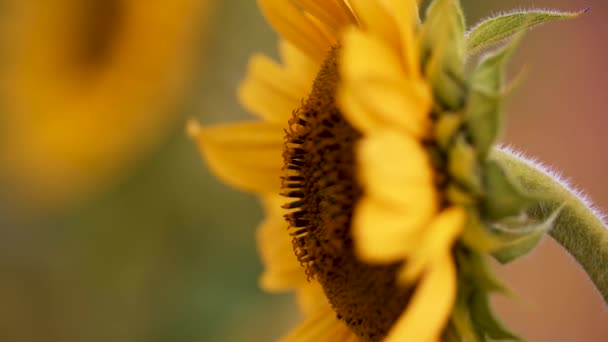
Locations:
{"points": [[524, 238], [503, 196], [496, 29], [443, 48], [483, 110]]}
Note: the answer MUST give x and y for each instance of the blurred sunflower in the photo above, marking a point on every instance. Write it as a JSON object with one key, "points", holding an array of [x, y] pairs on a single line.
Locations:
{"points": [[370, 125], [87, 86]]}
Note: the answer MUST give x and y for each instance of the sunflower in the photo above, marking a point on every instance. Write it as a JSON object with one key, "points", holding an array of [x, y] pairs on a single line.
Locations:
{"points": [[361, 127], [354, 159], [87, 86]]}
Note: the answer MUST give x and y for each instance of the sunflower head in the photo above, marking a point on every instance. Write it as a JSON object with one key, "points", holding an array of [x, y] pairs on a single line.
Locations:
{"points": [[394, 201], [87, 87]]}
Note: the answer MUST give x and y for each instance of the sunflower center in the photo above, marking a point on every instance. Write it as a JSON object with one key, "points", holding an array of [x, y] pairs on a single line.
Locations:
{"points": [[320, 173]]}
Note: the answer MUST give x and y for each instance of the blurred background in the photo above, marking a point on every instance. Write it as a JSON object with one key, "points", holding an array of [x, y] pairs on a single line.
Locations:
{"points": [[111, 227]]}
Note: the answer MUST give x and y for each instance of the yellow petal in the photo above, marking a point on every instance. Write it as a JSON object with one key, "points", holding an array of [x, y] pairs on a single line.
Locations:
{"points": [[333, 13], [298, 65], [282, 271], [372, 105], [429, 309], [374, 18], [274, 91], [382, 234], [393, 167], [365, 56], [357, 112], [311, 298], [380, 94], [406, 18], [438, 240], [246, 155], [404, 105], [293, 25], [322, 326], [269, 91]]}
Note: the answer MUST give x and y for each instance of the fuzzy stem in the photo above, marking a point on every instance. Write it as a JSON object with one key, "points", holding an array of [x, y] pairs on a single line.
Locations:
{"points": [[579, 229]]}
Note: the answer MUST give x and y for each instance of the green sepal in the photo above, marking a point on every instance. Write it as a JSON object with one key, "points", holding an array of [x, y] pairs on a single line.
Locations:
{"points": [[444, 19], [484, 120], [485, 321], [488, 77], [503, 196], [506, 240], [463, 165], [474, 270], [518, 248], [443, 48], [484, 103], [461, 325], [524, 236], [496, 29], [472, 319]]}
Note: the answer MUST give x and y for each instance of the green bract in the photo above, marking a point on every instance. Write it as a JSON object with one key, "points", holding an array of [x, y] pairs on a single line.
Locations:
{"points": [[496, 29], [484, 103], [521, 235], [504, 197], [443, 46], [468, 117]]}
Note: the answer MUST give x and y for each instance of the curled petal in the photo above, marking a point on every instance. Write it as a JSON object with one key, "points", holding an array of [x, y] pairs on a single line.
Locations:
{"points": [[441, 234], [429, 309]]}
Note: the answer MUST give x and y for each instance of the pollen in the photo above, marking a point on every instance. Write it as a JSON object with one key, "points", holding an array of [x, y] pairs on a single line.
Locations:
{"points": [[320, 177]]}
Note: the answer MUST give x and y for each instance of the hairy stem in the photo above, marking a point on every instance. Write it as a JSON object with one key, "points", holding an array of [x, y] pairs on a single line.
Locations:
{"points": [[579, 229]]}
